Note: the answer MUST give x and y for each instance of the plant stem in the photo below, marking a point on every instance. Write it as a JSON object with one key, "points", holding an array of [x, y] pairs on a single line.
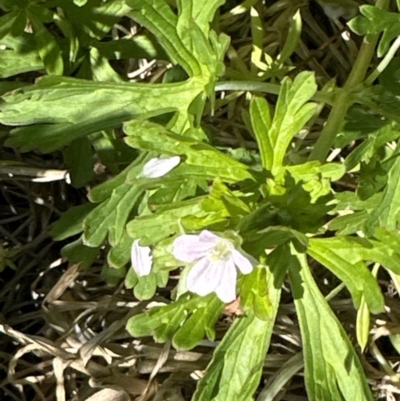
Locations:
{"points": [[343, 98], [253, 86], [384, 63]]}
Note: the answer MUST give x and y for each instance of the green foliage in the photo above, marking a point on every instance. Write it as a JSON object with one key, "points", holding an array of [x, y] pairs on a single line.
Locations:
{"points": [[235, 370], [344, 257], [374, 21], [254, 293], [332, 368], [291, 114], [185, 321], [278, 200]]}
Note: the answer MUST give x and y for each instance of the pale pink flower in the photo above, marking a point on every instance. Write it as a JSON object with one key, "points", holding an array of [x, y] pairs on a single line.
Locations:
{"points": [[216, 262], [157, 167], [141, 258]]}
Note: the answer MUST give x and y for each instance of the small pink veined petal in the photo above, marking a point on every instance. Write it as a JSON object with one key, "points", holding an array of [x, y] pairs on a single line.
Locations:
{"points": [[209, 237], [226, 290], [157, 167], [203, 277], [243, 264], [189, 248], [141, 259]]}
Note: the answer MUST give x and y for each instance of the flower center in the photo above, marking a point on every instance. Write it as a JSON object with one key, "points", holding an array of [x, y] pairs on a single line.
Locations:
{"points": [[221, 251]]}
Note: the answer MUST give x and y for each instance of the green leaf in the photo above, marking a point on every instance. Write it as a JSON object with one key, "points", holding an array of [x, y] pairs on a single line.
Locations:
{"points": [[221, 209], [359, 123], [8, 86], [105, 190], [47, 46], [235, 370], [111, 151], [293, 38], [79, 158], [112, 276], [344, 256], [257, 35], [387, 213], [94, 19], [163, 259], [186, 38], [131, 279], [390, 77], [77, 252], [13, 63], [163, 322], [9, 21], [293, 204], [381, 101], [315, 178], [363, 324], [158, 17], [278, 262], [254, 296], [145, 287], [48, 102], [139, 46], [291, 113], [332, 368], [201, 12], [71, 222], [119, 255], [111, 216], [373, 177], [350, 223], [101, 68], [175, 191], [50, 99], [199, 324], [158, 226], [261, 123], [50, 137], [374, 21], [208, 161], [370, 146], [388, 238]]}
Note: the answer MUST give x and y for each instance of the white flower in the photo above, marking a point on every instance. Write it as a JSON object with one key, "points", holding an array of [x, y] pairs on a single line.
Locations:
{"points": [[214, 269], [141, 259], [157, 167]]}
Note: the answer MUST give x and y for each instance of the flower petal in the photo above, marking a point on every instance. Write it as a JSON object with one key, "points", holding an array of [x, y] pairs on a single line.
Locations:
{"points": [[203, 277], [157, 167], [209, 237], [243, 264], [226, 290], [189, 248], [141, 259]]}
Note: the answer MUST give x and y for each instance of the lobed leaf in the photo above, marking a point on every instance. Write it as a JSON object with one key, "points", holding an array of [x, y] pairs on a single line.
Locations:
{"points": [[374, 21], [201, 158], [71, 222], [158, 17], [387, 214], [111, 216], [291, 113], [174, 321]]}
